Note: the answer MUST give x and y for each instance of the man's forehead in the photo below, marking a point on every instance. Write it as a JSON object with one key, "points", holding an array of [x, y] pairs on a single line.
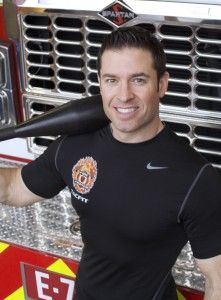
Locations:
{"points": [[139, 59], [121, 50]]}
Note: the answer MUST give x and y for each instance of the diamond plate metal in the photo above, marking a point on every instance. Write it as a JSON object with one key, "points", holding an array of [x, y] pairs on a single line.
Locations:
{"points": [[44, 226]]}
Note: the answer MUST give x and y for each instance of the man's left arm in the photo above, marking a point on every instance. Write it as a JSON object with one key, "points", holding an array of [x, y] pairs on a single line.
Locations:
{"points": [[201, 218], [211, 269]]}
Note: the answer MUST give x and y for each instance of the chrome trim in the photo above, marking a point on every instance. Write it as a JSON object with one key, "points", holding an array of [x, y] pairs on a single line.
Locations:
{"points": [[2, 71], [30, 111], [196, 12], [10, 20], [6, 86], [5, 62], [4, 114]]}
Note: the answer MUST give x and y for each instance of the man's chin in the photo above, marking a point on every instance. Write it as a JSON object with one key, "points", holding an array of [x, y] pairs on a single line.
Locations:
{"points": [[122, 129]]}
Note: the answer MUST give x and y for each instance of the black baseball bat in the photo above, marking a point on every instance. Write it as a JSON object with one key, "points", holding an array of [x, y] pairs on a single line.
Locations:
{"points": [[75, 117]]}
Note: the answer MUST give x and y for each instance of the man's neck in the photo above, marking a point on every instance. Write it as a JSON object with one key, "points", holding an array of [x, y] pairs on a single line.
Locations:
{"points": [[137, 137]]}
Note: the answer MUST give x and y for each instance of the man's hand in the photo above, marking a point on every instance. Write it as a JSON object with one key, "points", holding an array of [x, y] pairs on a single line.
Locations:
{"points": [[211, 269], [13, 191]]}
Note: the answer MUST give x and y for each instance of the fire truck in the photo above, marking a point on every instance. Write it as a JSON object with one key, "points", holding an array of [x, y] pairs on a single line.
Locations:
{"points": [[48, 52]]}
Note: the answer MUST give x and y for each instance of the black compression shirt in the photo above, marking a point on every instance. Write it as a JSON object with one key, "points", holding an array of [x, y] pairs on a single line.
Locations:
{"points": [[138, 205]]}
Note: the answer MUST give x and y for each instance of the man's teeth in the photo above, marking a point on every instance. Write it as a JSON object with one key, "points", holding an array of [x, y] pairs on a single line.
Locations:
{"points": [[126, 110]]}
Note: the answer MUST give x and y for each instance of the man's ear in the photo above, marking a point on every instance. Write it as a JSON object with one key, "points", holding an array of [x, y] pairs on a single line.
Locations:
{"points": [[163, 84], [99, 81]]}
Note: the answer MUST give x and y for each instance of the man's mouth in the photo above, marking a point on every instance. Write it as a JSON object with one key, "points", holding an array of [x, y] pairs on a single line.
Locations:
{"points": [[126, 110]]}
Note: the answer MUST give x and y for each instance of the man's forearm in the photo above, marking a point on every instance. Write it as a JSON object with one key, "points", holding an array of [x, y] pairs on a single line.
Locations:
{"points": [[212, 292], [211, 269], [212, 295], [6, 175]]}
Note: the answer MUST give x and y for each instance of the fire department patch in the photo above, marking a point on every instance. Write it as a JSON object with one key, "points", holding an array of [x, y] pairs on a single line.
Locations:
{"points": [[84, 174], [117, 13]]}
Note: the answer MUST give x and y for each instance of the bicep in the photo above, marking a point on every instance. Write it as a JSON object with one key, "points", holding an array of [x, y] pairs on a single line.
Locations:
{"points": [[19, 194], [43, 176], [201, 215], [208, 265]]}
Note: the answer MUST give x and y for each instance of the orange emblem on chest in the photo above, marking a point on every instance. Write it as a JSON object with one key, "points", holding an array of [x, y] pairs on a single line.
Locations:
{"points": [[84, 174]]}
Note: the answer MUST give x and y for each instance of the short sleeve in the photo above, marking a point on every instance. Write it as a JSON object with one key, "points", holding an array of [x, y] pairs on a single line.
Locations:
{"points": [[201, 215], [41, 176]]}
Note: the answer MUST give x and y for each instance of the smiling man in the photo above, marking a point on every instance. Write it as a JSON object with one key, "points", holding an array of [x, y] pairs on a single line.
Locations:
{"points": [[132, 81], [141, 193], [131, 91]]}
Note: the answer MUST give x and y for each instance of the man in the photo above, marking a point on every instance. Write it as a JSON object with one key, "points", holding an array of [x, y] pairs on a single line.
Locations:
{"points": [[141, 193]]}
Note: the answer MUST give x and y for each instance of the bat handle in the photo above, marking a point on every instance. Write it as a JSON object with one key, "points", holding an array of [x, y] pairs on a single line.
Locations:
{"points": [[7, 133]]}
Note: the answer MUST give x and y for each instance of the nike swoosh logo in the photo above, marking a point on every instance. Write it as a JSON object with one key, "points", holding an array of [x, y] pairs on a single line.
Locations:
{"points": [[149, 167]]}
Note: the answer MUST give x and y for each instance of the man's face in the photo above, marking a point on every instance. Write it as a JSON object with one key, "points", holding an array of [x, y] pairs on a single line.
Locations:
{"points": [[131, 92]]}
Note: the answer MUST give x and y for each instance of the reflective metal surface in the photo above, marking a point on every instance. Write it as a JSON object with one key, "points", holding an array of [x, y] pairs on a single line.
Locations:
{"points": [[191, 1], [44, 226], [196, 11], [185, 271], [7, 108], [11, 21], [4, 114], [52, 226], [2, 71], [34, 106]]}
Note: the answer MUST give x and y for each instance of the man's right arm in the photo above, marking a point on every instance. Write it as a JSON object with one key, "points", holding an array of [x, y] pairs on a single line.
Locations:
{"points": [[13, 191]]}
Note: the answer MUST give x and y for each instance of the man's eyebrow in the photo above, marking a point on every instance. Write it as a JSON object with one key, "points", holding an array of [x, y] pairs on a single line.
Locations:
{"points": [[141, 74], [108, 75]]}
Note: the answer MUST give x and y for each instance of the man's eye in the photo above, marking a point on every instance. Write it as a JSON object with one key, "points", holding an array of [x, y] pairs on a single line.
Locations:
{"points": [[111, 81], [139, 80]]}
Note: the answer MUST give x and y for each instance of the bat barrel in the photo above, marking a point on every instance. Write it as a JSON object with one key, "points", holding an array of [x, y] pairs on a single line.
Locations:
{"points": [[75, 117]]}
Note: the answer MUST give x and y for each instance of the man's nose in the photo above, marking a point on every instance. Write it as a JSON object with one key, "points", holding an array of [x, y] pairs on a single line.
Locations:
{"points": [[125, 92]]}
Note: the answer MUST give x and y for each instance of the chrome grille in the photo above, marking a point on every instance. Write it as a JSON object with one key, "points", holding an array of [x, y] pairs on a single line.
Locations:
{"points": [[60, 52], [203, 136], [35, 106]]}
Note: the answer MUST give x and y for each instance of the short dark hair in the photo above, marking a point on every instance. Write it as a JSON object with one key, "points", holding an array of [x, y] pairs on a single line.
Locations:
{"points": [[135, 37]]}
